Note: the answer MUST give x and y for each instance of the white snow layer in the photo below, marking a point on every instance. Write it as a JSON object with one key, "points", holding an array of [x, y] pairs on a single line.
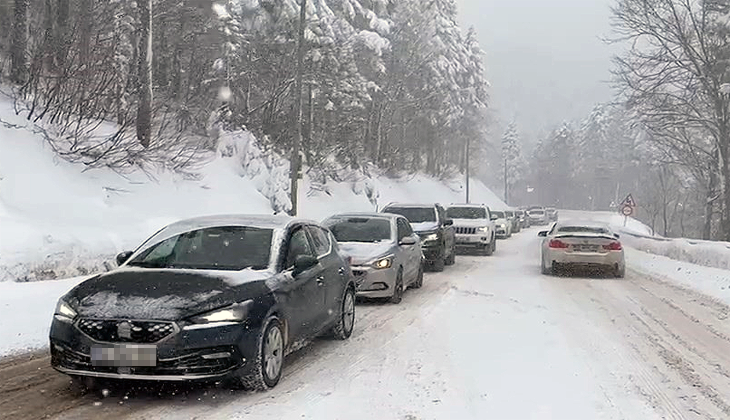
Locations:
{"points": [[60, 220]]}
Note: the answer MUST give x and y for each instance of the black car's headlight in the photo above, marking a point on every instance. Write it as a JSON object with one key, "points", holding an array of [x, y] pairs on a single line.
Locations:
{"points": [[383, 263], [235, 313], [64, 312], [430, 237]]}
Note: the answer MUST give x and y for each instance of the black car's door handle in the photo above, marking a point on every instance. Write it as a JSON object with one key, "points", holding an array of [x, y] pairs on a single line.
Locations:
{"points": [[320, 281]]}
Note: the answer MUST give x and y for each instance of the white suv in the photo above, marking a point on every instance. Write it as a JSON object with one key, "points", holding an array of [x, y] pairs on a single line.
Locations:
{"points": [[474, 227]]}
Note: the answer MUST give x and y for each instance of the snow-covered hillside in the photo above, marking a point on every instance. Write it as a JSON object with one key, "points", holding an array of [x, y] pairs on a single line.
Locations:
{"points": [[57, 220]]}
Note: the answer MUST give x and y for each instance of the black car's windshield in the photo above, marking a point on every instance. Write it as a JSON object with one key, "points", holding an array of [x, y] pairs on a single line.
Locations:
{"points": [[360, 229], [466, 213], [498, 214], [214, 248], [414, 214]]}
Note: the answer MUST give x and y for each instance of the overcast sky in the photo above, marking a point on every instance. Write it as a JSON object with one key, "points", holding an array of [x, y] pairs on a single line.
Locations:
{"points": [[545, 59]]}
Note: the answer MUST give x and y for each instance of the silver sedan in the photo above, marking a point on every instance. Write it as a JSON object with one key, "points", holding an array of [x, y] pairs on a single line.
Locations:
{"points": [[582, 244], [385, 254]]}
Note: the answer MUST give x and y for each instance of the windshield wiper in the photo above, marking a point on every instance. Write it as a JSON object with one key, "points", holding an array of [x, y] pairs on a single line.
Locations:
{"points": [[148, 264]]}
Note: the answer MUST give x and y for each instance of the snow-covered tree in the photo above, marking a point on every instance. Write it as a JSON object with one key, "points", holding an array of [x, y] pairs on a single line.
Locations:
{"points": [[513, 165]]}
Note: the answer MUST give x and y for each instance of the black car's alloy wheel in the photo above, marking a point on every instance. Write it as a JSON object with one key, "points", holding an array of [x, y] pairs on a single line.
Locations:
{"points": [[346, 321], [269, 361]]}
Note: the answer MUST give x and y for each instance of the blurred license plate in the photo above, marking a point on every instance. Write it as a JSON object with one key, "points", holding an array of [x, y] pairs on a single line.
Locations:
{"points": [[585, 248], [124, 355]]}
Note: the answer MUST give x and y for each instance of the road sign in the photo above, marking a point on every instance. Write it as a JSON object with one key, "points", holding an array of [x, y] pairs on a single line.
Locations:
{"points": [[627, 210], [628, 201]]}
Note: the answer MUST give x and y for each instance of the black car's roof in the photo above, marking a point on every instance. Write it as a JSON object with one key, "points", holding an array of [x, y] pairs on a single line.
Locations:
{"points": [[367, 214], [259, 221]]}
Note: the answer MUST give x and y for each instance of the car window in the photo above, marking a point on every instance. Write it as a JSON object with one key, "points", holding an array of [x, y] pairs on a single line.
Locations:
{"points": [[360, 229], [583, 229], [404, 229], [467, 213], [214, 248], [414, 214], [499, 214], [298, 245], [320, 241]]}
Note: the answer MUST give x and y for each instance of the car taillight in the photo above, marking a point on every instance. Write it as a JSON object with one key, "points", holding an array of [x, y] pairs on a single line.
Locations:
{"points": [[557, 243], [613, 246]]}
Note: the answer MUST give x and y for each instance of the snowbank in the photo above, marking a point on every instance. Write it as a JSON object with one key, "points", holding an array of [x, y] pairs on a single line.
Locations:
{"points": [[58, 220]]}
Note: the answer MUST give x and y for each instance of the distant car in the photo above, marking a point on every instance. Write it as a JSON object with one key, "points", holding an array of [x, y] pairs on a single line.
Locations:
{"points": [[385, 254], [524, 220], [551, 213], [503, 226], [474, 227], [537, 216], [512, 217], [582, 244], [429, 221], [210, 298]]}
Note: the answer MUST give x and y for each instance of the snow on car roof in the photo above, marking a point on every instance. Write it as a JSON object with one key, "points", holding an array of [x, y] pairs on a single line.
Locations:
{"points": [[422, 205], [584, 223], [366, 214], [468, 205], [259, 221]]}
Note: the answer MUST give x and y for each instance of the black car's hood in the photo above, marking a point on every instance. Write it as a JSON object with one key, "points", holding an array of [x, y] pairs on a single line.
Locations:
{"points": [[161, 294]]}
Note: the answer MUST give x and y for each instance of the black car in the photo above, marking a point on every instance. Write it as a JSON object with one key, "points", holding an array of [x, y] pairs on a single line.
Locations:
{"points": [[436, 230], [211, 298]]}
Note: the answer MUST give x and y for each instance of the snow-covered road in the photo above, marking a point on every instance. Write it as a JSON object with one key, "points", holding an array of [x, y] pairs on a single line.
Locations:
{"points": [[490, 338]]}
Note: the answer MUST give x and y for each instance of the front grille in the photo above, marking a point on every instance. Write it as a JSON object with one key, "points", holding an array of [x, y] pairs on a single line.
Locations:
{"points": [[192, 362], [120, 331], [465, 230]]}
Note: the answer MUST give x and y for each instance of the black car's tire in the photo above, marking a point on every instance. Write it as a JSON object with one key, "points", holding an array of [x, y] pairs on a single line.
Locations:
{"points": [[451, 259], [346, 321], [620, 273], [264, 376], [398, 289], [419, 278]]}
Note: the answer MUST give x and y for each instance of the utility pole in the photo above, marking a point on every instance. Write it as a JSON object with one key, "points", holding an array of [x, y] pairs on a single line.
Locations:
{"points": [[295, 163], [467, 170]]}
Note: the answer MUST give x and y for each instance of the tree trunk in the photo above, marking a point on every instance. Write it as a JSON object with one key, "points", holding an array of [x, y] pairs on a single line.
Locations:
{"points": [[61, 37], [144, 110], [294, 163], [709, 205], [19, 47], [48, 41]]}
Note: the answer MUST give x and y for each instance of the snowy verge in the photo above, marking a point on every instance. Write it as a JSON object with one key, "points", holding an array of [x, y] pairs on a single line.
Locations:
{"points": [[60, 220], [710, 281], [27, 310]]}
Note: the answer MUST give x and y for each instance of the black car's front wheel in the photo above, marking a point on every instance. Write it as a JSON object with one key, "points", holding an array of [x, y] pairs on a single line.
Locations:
{"points": [[269, 361], [346, 321]]}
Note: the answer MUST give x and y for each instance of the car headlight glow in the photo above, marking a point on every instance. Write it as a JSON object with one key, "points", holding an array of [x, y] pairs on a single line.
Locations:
{"points": [[383, 263], [64, 310], [503, 226], [237, 312], [484, 229], [431, 237]]}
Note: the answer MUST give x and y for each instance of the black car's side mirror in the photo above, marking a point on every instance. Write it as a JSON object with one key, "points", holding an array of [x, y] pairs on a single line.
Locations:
{"points": [[408, 240], [304, 263], [123, 257], [448, 222], [543, 234]]}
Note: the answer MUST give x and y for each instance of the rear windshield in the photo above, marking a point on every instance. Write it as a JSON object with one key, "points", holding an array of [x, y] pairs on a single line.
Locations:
{"points": [[538, 212], [466, 213], [360, 229], [582, 229], [414, 214], [214, 248], [498, 214]]}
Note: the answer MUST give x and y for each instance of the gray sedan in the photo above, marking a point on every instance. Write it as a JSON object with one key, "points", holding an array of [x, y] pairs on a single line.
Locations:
{"points": [[582, 244], [385, 254]]}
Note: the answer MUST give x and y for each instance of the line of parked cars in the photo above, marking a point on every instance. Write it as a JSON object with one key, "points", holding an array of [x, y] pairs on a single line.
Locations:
{"points": [[226, 298]]}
